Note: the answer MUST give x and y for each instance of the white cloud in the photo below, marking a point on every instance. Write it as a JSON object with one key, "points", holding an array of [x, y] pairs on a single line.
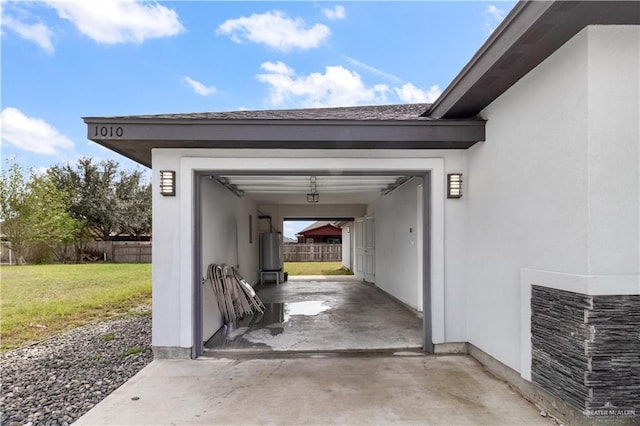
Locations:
{"points": [[373, 70], [278, 68], [338, 86], [32, 134], [497, 14], [412, 94], [38, 33], [199, 87], [114, 21], [493, 17], [276, 30], [337, 12]]}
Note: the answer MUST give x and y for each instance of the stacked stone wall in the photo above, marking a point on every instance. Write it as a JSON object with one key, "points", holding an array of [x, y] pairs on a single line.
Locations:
{"points": [[586, 350]]}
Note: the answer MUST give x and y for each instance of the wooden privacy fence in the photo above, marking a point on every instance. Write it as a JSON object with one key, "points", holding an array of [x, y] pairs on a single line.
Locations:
{"points": [[294, 252], [121, 251], [132, 252], [110, 251]]}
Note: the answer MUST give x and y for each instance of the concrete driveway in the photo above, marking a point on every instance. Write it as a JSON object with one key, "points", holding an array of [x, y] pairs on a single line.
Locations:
{"points": [[383, 388]]}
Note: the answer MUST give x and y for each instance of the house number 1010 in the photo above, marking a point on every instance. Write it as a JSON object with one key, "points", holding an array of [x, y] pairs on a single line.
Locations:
{"points": [[109, 131]]}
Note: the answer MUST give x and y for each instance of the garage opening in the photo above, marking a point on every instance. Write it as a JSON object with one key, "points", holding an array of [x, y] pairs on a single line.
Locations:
{"points": [[381, 218], [320, 247]]}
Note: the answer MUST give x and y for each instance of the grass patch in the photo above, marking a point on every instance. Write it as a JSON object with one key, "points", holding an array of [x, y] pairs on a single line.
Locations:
{"points": [[316, 268], [134, 351], [39, 301], [108, 337]]}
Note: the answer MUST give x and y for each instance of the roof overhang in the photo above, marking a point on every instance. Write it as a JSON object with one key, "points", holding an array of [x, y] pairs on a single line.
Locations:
{"points": [[531, 32], [135, 137]]}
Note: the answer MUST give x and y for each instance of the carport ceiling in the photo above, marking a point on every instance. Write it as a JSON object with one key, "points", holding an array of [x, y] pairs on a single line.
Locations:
{"points": [[294, 189]]}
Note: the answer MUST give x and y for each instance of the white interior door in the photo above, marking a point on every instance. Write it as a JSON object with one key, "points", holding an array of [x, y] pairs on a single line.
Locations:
{"points": [[359, 258], [369, 250]]}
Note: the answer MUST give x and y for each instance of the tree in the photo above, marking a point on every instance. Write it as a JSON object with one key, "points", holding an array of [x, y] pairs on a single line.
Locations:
{"points": [[34, 211], [135, 204], [92, 194], [15, 208], [108, 200], [52, 224]]}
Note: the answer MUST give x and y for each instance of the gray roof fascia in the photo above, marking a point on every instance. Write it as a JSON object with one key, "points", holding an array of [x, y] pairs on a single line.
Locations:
{"points": [[514, 25], [419, 121], [531, 32], [471, 130], [135, 137]]}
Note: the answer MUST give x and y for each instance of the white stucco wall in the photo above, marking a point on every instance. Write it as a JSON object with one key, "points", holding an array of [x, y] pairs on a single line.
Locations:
{"points": [[614, 149], [398, 227], [168, 301], [225, 239], [455, 251], [397, 239], [543, 190], [225, 230]]}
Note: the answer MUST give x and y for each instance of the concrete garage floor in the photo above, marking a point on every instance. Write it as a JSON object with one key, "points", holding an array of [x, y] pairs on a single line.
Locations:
{"points": [[329, 389], [322, 314]]}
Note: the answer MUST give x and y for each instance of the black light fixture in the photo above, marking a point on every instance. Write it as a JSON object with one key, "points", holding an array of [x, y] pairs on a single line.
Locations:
{"points": [[454, 185], [168, 183]]}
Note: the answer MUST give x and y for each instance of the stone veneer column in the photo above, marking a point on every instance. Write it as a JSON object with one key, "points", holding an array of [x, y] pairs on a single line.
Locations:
{"points": [[586, 350]]}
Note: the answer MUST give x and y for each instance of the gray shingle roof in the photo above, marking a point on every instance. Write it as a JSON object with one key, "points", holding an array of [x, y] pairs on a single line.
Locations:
{"points": [[372, 112]]}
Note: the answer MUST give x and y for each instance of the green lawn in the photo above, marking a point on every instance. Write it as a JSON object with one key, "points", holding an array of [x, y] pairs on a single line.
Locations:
{"points": [[39, 301], [316, 268]]}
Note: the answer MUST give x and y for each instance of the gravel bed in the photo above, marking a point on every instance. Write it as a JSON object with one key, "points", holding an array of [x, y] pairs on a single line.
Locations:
{"points": [[56, 381]]}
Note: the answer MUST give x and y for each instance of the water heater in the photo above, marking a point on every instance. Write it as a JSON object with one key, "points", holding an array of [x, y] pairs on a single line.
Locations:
{"points": [[270, 251]]}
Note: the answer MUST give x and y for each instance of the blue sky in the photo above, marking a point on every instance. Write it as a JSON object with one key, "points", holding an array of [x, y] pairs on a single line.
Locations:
{"points": [[65, 60]]}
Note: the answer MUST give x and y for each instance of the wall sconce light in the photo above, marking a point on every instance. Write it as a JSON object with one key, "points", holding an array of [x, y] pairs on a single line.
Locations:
{"points": [[168, 182], [454, 185]]}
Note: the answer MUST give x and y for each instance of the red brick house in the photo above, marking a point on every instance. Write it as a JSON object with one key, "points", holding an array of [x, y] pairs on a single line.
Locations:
{"points": [[321, 232]]}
